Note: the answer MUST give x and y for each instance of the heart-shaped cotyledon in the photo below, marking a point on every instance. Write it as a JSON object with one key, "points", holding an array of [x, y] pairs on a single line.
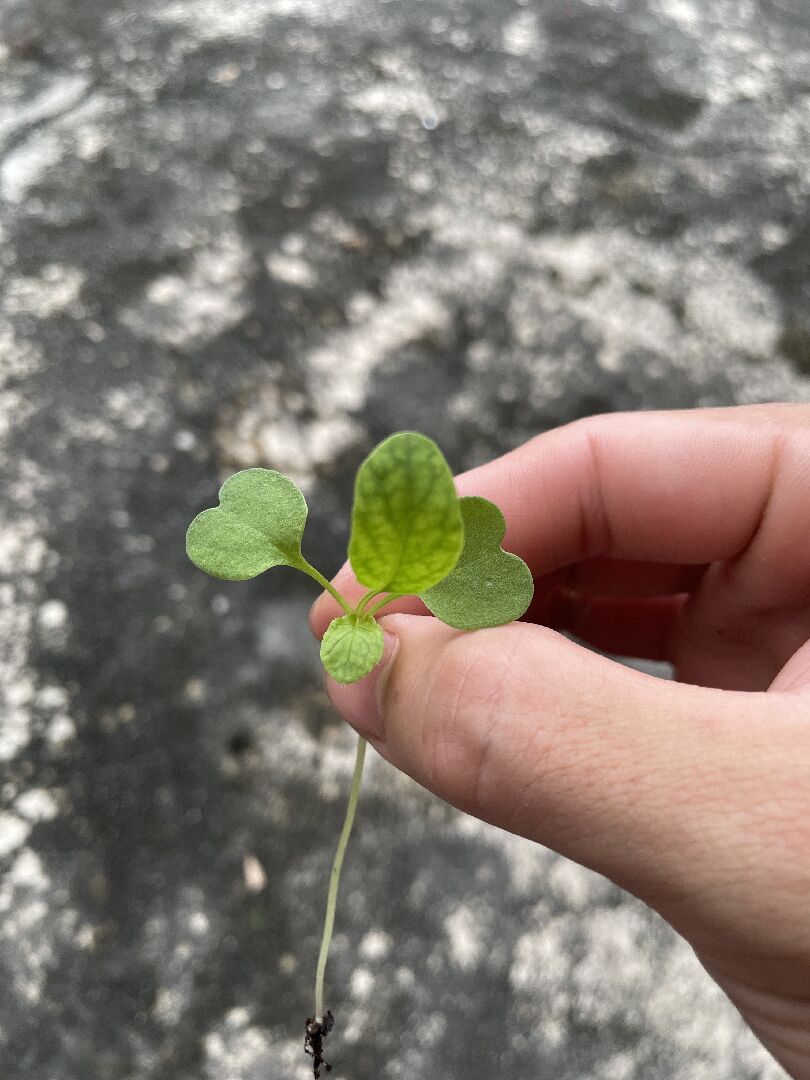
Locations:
{"points": [[258, 524], [489, 586]]}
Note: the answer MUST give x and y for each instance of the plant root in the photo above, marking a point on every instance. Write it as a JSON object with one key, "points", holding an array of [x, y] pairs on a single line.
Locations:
{"points": [[315, 1031]]}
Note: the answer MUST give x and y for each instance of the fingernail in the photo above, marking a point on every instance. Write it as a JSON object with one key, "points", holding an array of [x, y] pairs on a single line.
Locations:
{"points": [[360, 703]]}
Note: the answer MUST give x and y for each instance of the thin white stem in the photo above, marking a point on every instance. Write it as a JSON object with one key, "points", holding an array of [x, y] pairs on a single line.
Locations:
{"points": [[334, 880]]}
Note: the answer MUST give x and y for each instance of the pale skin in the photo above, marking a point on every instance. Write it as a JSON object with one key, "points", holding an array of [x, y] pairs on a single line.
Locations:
{"points": [[678, 536]]}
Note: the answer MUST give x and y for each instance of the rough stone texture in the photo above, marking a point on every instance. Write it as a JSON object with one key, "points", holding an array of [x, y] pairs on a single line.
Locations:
{"points": [[271, 231]]}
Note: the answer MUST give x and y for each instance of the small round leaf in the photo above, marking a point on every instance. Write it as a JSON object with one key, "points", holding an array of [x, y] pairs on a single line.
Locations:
{"points": [[351, 646]]}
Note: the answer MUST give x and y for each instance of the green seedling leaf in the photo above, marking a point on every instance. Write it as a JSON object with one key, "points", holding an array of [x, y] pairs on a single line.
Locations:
{"points": [[489, 586], [351, 646], [407, 532], [258, 524]]}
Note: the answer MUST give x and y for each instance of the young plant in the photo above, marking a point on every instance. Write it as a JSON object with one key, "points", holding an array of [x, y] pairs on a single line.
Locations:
{"points": [[411, 535]]}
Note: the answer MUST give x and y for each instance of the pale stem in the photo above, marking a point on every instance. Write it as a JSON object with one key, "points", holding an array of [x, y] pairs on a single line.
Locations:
{"points": [[322, 581], [365, 600], [385, 600], [334, 880]]}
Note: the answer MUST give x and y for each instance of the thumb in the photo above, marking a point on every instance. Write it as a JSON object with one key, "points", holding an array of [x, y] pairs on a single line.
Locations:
{"points": [[655, 784]]}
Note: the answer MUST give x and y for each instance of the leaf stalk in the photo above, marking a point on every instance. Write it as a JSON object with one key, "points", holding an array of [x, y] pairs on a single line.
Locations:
{"points": [[385, 600], [364, 601], [324, 583]]}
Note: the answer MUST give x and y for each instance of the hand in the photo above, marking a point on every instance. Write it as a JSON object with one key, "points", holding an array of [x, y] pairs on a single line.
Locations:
{"points": [[680, 536]]}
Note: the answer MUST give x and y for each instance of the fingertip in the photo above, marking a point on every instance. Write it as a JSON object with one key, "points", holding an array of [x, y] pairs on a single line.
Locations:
{"points": [[359, 703], [365, 703], [323, 610]]}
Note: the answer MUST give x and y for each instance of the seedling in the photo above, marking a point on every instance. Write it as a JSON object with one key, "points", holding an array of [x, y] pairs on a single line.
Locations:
{"points": [[411, 535]]}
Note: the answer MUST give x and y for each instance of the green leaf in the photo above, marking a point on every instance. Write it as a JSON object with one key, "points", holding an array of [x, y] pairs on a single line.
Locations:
{"points": [[258, 524], [489, 586], [351, 646], [407, 532]]}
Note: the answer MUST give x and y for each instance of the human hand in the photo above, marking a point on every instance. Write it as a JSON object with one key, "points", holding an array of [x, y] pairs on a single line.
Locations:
{"points": [[679, 536]]}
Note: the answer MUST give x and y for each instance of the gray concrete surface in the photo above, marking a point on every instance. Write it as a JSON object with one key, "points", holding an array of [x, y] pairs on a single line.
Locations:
{"points": [[270, 232]]}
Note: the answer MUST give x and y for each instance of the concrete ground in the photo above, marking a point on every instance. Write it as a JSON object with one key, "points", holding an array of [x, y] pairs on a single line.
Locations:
{"points": [[271, 232]]}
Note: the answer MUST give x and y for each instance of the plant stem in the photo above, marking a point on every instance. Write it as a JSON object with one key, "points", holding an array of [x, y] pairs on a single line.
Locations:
{"points": [[334, 880], [364, 600], [322, 581], [385, 600]]}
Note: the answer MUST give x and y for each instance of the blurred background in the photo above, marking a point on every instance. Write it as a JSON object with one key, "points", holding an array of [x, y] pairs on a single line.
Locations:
{"points": [[270, 232]]}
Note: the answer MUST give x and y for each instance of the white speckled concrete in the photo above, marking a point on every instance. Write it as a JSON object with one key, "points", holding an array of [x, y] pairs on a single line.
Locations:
{"points": [[270, 232]]}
